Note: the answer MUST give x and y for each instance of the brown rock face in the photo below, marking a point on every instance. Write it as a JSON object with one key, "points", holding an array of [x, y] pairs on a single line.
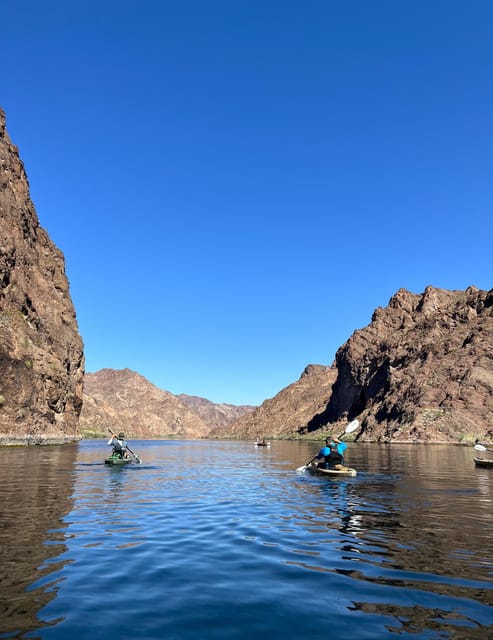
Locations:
{"points": [[422, 370], [41, 351], [125, 401], [299, 408]]}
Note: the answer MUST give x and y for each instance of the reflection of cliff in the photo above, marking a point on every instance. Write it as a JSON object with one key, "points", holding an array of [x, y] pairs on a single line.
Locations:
{"points": [[424, 521], [410, 528], [411, 501], [35, 494]]}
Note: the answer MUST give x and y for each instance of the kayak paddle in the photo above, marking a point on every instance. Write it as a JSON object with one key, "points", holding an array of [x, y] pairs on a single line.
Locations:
{"points": [[352, 426], [480, 447], [136, 457]]}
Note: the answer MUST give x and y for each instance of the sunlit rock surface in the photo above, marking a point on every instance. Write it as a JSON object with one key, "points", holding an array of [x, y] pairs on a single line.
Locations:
{"points": [[41, 351]]}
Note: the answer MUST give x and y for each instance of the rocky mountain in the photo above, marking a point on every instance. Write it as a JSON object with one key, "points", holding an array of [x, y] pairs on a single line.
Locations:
{"points": [[41, 351], [215, 416], [125, 401], [293, 411], [421, 371]]}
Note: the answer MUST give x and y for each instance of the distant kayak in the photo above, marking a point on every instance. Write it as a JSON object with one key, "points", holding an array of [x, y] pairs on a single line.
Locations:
{"points": [[262, 444], [483, 462], [341, 472], [117, 460]]}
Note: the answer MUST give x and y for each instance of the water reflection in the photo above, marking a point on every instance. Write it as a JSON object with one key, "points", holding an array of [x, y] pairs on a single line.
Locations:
{"points": [[405, 547], [416, 619], [35, 490], [416, 536]]}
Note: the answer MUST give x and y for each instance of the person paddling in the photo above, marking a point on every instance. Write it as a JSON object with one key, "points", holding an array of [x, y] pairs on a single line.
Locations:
{"points": [[119, 445], [331, 454]]}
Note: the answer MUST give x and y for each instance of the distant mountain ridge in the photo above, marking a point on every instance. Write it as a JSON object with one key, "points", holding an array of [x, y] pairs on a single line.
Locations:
{"points": [[126, 401], [214, 415]]}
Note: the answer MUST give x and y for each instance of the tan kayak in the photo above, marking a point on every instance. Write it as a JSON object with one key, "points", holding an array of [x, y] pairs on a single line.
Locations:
{"points": [[340, 471]]}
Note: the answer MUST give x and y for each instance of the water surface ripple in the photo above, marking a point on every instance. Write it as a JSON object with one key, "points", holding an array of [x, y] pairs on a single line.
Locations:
{"points": [[223, 539]]}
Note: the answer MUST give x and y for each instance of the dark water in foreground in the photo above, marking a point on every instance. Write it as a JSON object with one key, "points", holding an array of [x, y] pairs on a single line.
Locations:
{"points": [[221, 540]]}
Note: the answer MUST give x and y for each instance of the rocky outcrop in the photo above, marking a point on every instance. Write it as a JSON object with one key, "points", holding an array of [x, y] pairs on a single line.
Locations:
{"points": [[125, 401], [41, 351], [297, 409], [421, 371]]}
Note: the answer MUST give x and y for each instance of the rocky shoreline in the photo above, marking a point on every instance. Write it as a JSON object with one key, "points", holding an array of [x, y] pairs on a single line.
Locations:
{"points": [[37, 441]]}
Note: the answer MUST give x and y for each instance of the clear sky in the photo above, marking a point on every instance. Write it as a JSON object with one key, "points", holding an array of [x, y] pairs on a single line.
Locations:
{"points": [[236, 185]]}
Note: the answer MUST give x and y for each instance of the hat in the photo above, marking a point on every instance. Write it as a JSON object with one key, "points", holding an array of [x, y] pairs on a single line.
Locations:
{"points": [[121, 434]]}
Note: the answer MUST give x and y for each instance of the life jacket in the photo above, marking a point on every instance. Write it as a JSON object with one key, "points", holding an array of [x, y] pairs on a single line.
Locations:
{"points": [[119, 448], [334, 457]]}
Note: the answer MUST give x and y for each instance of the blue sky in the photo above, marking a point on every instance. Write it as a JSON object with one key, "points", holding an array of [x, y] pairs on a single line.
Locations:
{"points": [[237, 185]]}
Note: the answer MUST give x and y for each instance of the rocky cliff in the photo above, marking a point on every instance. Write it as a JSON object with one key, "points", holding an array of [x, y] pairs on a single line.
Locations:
{"points": [[421, 371], [125, 401], [41, 351]]}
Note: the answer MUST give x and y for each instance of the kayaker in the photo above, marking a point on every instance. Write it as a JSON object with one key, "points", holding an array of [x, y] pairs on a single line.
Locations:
{"points": [[332, 453], [119, 445]]}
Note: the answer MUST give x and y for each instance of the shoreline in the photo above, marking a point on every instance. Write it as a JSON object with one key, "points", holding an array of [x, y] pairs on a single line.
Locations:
{"points": [[30, 441]]}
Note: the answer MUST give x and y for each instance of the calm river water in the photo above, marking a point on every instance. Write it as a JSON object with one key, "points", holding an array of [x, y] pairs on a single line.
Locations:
{"points": [[225, 540]]}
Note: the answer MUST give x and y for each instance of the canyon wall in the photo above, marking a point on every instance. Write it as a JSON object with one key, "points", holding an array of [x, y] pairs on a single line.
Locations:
{"points": [[41, 351]]}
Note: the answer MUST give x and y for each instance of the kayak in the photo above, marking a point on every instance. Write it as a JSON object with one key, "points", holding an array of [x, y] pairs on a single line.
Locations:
{"points": [[343, 472], [483, 462], [263, 444], [118, 460]]}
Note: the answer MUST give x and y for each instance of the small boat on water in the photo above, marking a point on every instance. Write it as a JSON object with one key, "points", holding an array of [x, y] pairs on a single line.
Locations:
{"points": [[341, 472], [262, 444], [483, 462], [117, 460]]}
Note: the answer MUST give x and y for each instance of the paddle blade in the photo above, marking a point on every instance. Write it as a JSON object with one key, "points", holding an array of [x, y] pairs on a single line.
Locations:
{"points": [[479, 447], [301, 469], [352, 426]]}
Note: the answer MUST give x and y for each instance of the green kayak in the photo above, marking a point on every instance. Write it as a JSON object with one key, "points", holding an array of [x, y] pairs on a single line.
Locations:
{"points": [[117, 460]]}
